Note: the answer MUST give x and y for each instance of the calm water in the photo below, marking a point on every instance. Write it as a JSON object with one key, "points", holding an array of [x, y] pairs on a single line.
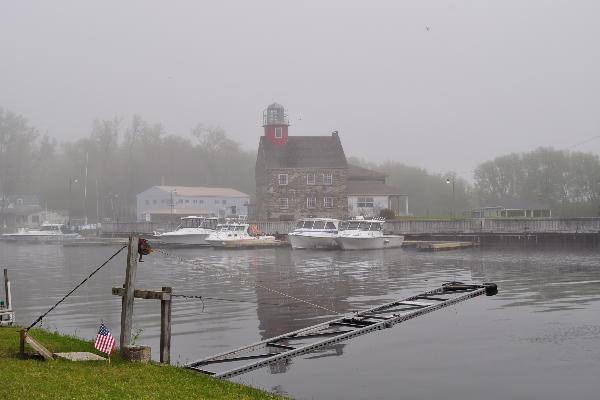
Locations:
{"points": [[539, 338]]}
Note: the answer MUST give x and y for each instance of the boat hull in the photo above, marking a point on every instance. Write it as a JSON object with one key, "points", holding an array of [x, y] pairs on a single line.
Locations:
{"points": [[369, 243], [312, 242], [197, 239], [245, 243], [23, 238]]}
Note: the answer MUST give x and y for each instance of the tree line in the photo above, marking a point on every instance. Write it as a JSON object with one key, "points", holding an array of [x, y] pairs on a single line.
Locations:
{"points": [[101, 174]]}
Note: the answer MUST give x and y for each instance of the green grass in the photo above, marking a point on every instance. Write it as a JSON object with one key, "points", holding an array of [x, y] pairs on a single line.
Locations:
{"points": [[61, 379]]}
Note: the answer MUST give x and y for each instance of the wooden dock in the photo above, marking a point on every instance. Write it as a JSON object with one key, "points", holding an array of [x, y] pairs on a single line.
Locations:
{"points": [[429, 245]]}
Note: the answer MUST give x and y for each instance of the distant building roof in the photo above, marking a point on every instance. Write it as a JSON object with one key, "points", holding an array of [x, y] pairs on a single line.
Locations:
{"points": [[199, 191], [304, 152], [179, 211], [359, 173], [372, 188]]}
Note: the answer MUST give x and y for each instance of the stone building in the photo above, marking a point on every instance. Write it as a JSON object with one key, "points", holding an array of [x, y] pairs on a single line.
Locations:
{"points": [[298, 175]]}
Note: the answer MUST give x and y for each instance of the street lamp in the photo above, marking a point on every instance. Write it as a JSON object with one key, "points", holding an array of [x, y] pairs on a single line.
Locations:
{"points": [[448, 181], [71, 182]]}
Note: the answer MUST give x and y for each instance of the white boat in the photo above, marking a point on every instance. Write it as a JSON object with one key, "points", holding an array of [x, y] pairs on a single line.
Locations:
{"points": [[240, 235], [365, 234], [47, 233], [314, 233], [192, 231]]}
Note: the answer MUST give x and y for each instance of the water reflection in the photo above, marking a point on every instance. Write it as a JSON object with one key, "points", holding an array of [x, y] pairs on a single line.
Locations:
{"points": [[236, 311]]}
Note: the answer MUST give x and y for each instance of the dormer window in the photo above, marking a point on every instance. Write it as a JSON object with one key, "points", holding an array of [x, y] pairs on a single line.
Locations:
{"points": [[278, 132]]}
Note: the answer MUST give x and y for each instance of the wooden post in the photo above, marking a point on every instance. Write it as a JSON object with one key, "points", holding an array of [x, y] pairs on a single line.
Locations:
{"points": [[23, 335], [8, 299], [165, 326], [127, 300]]}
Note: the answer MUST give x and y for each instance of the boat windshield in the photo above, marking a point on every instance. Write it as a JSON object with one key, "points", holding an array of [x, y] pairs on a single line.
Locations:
{"points": [[190, 223], [319, 225], [305, 224], [359, 226], [329, 225], [231, 228], [209, 223]]}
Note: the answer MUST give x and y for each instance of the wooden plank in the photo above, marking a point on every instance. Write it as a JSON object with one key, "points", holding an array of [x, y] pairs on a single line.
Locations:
{"points": [[143, 294], [44, 352], [165, 327], [127, 299]]}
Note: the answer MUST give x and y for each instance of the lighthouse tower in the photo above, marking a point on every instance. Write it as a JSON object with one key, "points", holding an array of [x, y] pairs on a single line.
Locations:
{"points": [[276, 124]]}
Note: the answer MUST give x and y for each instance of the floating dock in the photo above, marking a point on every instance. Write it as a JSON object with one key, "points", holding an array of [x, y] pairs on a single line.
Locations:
{"points": [[320, 336], [438, 246]]}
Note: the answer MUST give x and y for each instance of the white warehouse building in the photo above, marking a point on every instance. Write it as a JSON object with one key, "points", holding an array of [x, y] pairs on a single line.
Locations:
{"points": [[166, 203]]}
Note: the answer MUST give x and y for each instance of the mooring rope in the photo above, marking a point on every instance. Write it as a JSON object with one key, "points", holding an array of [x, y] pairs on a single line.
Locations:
{"points": [[254, 283], [75, 288]]}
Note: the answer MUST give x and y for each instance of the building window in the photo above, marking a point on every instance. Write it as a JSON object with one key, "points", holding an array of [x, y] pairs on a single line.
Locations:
{"points": [[328, 202], [310, 179], [365, 202], [327, 179], [147, 202], [278, 133], [179, 201], [216, 201], [187, 202], [283, 203], [311, 202], [201, 201], [223, 201], [154, 201], [283, 179]]}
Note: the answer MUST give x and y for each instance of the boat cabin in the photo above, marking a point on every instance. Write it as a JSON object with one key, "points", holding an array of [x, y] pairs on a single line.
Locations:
{"points": [[193, 222]]}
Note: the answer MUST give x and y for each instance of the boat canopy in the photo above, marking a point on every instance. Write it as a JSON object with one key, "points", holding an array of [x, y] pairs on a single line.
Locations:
{"points": [[364, 225], [315, 224], [198, 222]]}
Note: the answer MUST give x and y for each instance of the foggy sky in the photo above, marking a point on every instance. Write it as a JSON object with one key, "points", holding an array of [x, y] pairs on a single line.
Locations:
{"points": [[437, 84]]}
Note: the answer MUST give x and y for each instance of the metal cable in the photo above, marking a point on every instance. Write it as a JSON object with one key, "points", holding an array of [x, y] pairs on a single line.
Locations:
{"points": [[185, 296], [255, 284], [74, 289]]}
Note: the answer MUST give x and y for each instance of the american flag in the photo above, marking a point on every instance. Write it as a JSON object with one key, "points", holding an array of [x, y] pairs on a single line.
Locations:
{"points": [[105, 342]]}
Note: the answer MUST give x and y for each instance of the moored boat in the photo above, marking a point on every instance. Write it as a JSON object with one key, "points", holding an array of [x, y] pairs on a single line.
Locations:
{"points": [[241, 235], [47, 233], [365, 234], [314, 233], [192, 231]]}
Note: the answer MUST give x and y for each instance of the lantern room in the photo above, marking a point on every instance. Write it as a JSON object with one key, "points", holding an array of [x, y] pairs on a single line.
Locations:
{"points": [[275, 123]]}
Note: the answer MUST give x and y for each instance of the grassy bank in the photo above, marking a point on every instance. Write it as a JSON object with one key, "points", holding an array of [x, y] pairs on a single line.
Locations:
{"points": [[62, 379]]}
